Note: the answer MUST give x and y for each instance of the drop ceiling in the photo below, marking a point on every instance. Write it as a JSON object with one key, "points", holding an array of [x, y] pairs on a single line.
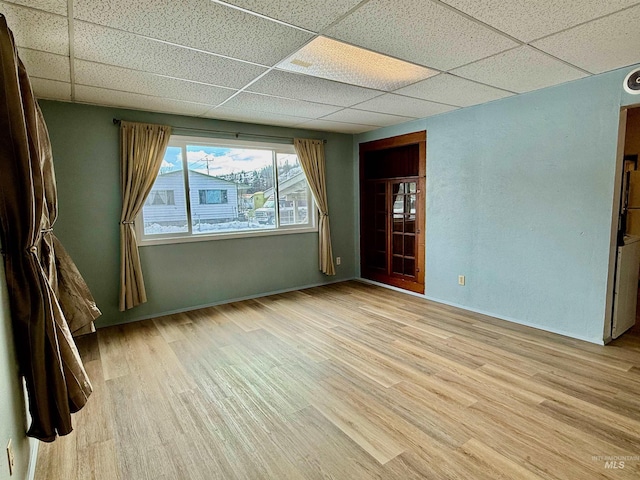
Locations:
{"points": [[256, 60]]}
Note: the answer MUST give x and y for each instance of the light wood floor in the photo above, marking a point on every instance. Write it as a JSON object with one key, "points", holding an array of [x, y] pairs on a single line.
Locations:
{"points": [[349, 381]]}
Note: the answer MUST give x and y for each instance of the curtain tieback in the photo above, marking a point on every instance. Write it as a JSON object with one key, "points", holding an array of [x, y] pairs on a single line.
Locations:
{"points": [[34, 248], [324, 214], [127, 223]]}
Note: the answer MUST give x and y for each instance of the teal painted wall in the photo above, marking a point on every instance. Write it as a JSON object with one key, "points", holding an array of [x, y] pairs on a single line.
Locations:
{"points": [[13, 419], [181, 276], [520, 200]]}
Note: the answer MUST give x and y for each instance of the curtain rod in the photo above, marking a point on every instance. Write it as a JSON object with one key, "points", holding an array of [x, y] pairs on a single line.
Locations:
{"points": [[116, 121]]}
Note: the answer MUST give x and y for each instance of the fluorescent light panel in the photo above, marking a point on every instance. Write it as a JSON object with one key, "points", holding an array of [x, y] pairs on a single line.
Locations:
{"points": [[333, 60]]}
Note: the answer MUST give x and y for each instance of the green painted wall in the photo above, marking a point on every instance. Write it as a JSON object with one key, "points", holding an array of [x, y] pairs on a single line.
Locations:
{"points": [[13, 419], [180, 276]]}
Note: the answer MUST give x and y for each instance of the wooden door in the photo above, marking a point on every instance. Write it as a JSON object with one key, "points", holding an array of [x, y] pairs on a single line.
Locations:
{"points": [[404, 235], [392, 206], [376, 251]]}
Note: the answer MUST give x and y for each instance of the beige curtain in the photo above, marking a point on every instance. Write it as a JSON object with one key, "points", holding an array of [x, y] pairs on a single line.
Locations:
{"points": [[311, 156], [142, 148], [48, 297]]}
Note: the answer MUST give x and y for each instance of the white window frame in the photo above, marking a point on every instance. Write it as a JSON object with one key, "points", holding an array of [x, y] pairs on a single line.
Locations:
{"points": [[182, 141]]}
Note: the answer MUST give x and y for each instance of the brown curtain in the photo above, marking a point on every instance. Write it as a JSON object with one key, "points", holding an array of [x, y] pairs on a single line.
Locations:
{"points": [[142, 148], [48, 298], [311, 156]]}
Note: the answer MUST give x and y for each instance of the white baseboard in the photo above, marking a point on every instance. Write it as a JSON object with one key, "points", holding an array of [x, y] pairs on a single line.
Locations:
{"points": [[597, 341], [232, 300], [390, 287], [33, 458]]}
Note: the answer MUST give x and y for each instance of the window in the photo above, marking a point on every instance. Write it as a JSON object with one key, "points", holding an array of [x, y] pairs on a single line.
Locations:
{"points": [[212, 197], [161, 197], [209, 188]]}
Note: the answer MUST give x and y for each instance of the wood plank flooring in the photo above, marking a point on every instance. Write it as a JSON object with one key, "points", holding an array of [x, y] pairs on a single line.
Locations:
{"points": [[349, 381]]}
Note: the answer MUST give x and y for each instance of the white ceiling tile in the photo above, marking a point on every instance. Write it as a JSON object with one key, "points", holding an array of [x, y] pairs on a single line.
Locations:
{"points": [[106, 76], [339, 127], [351, 115], [520, 70], [423, 32], [53, 6], [313, 15], [304, 87], [123, 49], [252, 116], [528, 20], [200, 24], [405, 106], [334, 60], [118, 62], [51, 89], [446, 88], [280, 106], [36, 29], [134, 101], [599, 46], [45, 65]]}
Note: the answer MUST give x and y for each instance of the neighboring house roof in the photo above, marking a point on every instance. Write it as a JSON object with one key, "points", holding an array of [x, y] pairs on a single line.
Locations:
{"points": [[287, 185], [179, 172]]}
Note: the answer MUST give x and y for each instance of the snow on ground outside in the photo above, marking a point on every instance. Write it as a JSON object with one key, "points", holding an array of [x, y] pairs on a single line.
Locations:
{"points": [[156, 229]]}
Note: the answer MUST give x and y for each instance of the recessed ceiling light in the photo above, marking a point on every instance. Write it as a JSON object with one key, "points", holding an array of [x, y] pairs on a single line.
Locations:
{"points": [[333, 60]]}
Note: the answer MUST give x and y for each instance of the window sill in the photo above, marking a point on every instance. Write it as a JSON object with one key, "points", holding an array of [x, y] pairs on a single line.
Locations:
{"points": [[147, 242]]}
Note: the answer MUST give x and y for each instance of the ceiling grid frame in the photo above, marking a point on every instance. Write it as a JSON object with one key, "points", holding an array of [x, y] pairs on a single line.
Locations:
{"points": [[52, 82], [72, 57]]}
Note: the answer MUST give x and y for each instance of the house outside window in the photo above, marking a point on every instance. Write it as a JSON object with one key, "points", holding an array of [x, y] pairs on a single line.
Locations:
{"points": [[235, 189]]}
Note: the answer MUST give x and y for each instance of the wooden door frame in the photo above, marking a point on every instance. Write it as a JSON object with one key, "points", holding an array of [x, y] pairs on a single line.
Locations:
{"points": [[613, 240], [415, 138]]}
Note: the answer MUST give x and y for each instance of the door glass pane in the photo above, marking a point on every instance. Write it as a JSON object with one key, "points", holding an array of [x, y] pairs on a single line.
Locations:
{"points": [[380, 241], [398, 222], [398, 244], [413, 187], [165, 210], [410, 224], [410, 204], [409, 245], [397, 204], [409, 267], [397, 265], [381, 204]]}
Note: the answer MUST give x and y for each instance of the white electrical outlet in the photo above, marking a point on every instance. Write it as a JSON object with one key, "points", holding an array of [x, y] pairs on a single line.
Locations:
{"points": [[338, 260], [461, 280], [10, 457]]}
